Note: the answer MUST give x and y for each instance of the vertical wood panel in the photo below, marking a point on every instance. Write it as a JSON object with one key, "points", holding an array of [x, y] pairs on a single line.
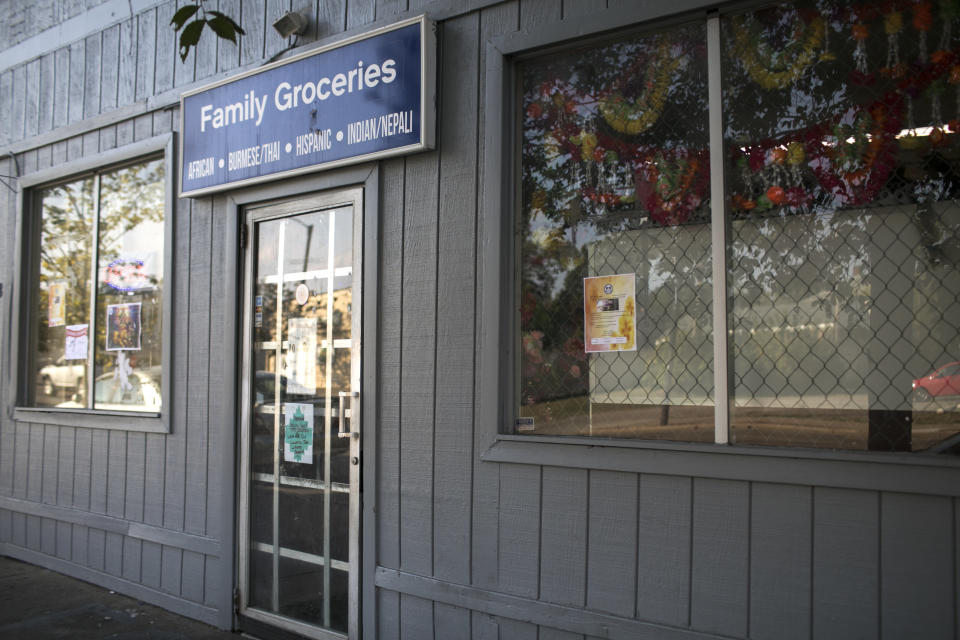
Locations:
{"points": [[228, 53], [386, 9], [191, 582], [253, 15], [455, 295], [154, 489], [18, 534], [212, 588], [127, 68], [516, 630], [388, 615], [109, 67], [174, 476], [184, 71], [416, 618], [34, 462], [131, 559], [563, 536], [6, 111], [34, 533], [150, 559], [720, 543], [331, 18], [83, 450], [548, 633], [450, 621], [97, 549], [846, 530], [519, 530], [273, 43], [91, 143], [78, 61], [171, 561], [917, 579], [360, 12], [65, 466], [167, 41], [486, 478], [80, 545], [663, 549], [573, 9], [484, 627], [92, 73], [108, 138], [612, 543], [124, 133], [220, 385], [64, 544], [136, 477], [116, 473], [100, 442], [47, 90], [418, 363], [534, 13], [48, 536], [146, 53], [61, 87], [18, 111], [113, 554], [198, 368], [780, 557], [32, 97], [391, 309]]}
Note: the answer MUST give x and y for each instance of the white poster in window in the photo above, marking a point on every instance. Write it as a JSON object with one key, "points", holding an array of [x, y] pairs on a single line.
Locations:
{"points": [[298, 433], [77, 340], [610, 313], [301, 356]]}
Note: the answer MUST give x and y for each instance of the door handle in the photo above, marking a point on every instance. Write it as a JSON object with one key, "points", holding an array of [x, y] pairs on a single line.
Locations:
{"points": [[344, 432]]}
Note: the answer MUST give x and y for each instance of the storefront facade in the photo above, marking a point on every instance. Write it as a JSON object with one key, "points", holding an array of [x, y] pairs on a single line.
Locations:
{"points": [[469, 385]]}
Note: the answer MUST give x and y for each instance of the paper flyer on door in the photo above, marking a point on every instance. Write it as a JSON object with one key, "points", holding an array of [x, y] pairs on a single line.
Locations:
{"points": [[298, 433], [301, 356], [609, 313]]}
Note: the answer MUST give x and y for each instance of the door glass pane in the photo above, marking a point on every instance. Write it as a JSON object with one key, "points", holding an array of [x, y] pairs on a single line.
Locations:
{"points": [[299, 500]]}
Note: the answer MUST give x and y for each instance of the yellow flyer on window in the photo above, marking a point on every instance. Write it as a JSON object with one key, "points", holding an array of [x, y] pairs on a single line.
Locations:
{"points": [[610, 313], [57, 304]]}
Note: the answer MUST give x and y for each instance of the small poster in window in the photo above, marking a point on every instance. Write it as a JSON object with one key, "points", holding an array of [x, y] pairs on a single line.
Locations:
{"points": [[301, 356], [610, 313], [76, 342], [123, 327], [298, 433], [57, 307]]}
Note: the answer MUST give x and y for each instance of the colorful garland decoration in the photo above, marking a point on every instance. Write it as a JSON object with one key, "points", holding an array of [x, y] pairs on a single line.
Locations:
{"points": [[777, 69], [636, 117]]}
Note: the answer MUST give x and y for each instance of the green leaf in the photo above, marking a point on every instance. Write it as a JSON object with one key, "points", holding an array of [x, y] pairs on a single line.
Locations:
{"points": [[183, 14], [224, 28], [233, 24], [190, 37]]}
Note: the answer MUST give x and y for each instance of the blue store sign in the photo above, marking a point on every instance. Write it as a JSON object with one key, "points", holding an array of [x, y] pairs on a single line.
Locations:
{"points": [[363, 98]]}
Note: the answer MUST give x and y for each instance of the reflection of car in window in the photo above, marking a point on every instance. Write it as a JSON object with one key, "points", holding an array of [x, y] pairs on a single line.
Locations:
{"points": [[142, 393], [61, 374], [945, 381]]}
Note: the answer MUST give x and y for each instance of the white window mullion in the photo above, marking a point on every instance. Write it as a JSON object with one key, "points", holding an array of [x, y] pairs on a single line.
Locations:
{"points": [[718, 226]]}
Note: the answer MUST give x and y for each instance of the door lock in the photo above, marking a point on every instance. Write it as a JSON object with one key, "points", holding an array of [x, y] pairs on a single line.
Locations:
{"points": [[344, 431]]}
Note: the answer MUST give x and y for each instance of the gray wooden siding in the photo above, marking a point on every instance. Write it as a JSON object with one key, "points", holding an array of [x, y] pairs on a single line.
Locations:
{"points": [[476, 549]]}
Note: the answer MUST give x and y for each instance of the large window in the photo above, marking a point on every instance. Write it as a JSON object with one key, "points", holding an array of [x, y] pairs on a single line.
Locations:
{"points": [[840, 160], [96, 285]]}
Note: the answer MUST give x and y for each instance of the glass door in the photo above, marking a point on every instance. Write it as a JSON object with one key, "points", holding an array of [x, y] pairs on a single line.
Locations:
{"points": [[299, 502]]}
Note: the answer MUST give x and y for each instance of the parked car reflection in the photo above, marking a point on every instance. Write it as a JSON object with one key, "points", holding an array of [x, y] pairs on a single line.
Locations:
{"points": [[945, 381], [61, 374], [142, 393]]}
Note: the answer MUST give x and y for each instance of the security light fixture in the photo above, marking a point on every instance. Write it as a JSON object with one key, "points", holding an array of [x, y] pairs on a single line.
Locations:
{"points": [[290, 23]]}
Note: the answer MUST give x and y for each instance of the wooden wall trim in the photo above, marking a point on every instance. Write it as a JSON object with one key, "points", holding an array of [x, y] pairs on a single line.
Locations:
{"points": [[575, 620], [127, 588], [138, 530], [904, 473]]}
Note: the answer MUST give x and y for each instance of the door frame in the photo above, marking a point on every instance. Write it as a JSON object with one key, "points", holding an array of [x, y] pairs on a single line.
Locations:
{"points": [[231, 205]]}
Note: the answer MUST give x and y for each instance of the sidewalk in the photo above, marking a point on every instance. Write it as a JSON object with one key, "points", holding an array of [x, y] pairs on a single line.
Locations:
{"points": [[37, 604]]}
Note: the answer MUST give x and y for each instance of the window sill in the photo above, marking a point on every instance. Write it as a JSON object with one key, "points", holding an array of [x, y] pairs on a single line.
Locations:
{"points": [[92, 419], [901, 472]]}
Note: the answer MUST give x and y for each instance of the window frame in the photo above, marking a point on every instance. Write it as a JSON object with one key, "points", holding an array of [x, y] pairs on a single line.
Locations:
{"points": [[25, 276], [498, 331]]}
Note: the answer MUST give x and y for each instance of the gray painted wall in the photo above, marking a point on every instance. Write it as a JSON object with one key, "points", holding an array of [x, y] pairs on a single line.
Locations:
{"points": [[472, 539]]}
